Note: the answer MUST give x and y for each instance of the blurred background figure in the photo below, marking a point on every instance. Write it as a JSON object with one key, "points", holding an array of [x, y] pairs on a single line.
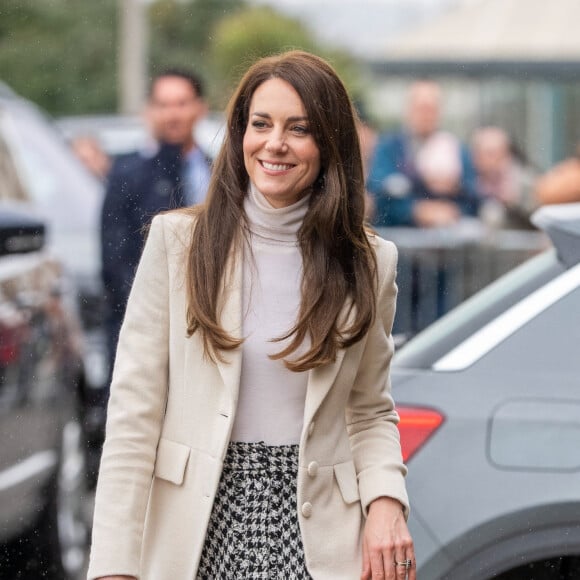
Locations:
{"points": [[88, 149], [439, 168], [367, 134], [170, 171], [368, 137], [561, 184], [504, 180], [401, 195], [176, 104]]}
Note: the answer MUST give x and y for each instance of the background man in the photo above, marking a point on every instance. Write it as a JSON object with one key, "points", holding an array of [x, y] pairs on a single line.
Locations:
{"points": [[171, 171]]}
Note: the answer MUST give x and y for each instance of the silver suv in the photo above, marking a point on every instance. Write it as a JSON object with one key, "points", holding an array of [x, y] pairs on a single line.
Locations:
{"points": [[490, 403]]}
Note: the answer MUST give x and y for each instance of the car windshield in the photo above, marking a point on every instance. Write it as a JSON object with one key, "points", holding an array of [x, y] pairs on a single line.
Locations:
{"points": [[51, 176], [441, 337], [55, 185]]}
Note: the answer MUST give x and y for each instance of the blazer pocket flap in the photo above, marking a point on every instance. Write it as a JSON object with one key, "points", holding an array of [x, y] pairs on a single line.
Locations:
{"points": [[345, 474], [171, 461]]}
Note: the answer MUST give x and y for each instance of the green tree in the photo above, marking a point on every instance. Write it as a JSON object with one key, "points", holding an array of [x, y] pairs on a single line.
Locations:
{"points": [[60, 53], [181, 33], [241, 38]]}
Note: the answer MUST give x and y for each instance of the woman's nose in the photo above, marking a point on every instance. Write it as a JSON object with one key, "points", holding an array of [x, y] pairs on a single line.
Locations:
{"points": [[276, 144]]}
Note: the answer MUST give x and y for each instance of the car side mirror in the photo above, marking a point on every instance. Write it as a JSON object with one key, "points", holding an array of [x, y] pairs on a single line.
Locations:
{"points": [[20, 233]]}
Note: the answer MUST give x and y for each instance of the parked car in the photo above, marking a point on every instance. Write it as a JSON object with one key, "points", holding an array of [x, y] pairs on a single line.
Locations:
{"points": [[43, 528], [40, 175], [489, 398]]}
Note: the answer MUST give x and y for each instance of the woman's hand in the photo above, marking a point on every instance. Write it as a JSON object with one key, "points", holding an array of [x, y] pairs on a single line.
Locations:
{"points": [[387, 544]]}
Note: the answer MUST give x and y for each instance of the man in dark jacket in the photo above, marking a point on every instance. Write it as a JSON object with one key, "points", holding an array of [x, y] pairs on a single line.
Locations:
{"points": [[170, 172]]}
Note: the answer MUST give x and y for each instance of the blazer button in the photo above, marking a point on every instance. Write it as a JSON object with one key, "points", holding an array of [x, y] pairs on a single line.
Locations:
{"points": [[310, 429], [312, 469], [307, 509]]}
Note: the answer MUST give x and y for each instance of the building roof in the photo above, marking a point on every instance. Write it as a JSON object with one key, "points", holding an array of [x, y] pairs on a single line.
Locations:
{"points": [[491, 36]]}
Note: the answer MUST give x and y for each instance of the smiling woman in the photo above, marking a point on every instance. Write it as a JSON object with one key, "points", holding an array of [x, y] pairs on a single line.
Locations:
{"points": [[241, 434], [280, 154]]}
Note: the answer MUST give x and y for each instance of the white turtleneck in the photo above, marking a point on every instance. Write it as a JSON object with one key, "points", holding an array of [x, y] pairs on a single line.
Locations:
{"points": [[271, 398]]}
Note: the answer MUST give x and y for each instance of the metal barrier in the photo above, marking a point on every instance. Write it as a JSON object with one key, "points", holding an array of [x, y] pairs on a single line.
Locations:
{"points": [[439, 268]]}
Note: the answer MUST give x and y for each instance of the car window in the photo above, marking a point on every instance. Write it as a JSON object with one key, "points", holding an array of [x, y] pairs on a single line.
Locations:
{"points": [[57, 184], [554, 322], [447, 333]]}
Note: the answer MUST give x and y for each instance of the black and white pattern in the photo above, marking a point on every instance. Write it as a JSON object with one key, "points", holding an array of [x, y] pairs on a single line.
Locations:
{"points": [[253, 533]]}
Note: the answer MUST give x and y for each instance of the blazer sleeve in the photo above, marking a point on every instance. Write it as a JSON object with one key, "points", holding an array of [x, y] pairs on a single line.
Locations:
{"points": [[135, 414], [371, 416]]}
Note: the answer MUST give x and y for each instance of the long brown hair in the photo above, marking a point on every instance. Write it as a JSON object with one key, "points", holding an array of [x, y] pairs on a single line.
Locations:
{"points": [[339, 266]]}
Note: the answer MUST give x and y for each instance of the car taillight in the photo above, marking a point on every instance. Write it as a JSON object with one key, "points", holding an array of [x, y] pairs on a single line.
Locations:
{"points": [[416, 427], [10, 342]]}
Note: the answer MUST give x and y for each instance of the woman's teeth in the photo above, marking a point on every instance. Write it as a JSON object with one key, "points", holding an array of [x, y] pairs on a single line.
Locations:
{"points": [[276, 166]]}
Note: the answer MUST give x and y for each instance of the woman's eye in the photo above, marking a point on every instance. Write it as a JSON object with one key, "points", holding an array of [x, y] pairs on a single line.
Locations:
{"points": [[258, 124], [301, 129]]}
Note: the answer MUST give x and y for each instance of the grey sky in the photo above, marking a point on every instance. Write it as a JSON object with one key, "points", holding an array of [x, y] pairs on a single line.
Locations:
{"points": [[363, 26]]}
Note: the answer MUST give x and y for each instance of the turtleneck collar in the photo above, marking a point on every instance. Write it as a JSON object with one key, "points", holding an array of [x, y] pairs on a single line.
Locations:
{"points": [[278, 224]]}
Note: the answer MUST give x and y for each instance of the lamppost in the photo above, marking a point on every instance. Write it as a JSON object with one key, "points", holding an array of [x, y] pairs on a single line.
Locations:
{"points": [[133, 45]]}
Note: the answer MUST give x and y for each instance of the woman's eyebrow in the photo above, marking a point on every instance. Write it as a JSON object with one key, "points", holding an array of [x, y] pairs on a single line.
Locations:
{"points": [[288, 120]]}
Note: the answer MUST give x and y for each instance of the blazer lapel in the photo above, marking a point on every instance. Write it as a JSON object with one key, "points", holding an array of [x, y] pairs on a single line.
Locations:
{"points": [[321, 379]]}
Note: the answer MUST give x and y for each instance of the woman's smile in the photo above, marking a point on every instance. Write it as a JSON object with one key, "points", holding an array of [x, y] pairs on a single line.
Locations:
{"points": [[276, 167]]}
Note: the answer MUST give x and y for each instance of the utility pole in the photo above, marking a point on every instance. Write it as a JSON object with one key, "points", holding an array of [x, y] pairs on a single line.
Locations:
{"points": [[133, 55]]}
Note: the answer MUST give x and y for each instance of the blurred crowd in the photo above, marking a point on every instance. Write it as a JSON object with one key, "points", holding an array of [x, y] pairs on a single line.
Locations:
{"points": [[421, 175]]}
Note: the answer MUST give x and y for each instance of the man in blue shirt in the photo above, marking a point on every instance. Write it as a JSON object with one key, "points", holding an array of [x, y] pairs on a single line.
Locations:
{"points": [[400, 194]]}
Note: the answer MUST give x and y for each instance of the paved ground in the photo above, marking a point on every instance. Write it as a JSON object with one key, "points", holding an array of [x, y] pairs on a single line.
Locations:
{"points": [[17, 558]]}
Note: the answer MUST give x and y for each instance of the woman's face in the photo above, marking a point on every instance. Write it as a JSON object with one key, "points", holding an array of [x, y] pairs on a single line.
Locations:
{"points": [[280, 154]]}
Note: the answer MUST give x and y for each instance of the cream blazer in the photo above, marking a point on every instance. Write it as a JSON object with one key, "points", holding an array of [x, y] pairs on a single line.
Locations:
{"points": [[170, 417]]}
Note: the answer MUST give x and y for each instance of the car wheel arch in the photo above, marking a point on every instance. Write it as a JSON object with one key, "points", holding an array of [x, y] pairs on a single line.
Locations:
{"points": [[526, 537]]}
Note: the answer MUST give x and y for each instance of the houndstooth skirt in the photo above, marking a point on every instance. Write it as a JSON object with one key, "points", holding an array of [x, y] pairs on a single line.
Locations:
{"points": [[253, 532]]}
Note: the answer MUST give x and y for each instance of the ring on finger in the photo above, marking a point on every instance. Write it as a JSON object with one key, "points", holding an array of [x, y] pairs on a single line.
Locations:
{"points": [[406, 563]]}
